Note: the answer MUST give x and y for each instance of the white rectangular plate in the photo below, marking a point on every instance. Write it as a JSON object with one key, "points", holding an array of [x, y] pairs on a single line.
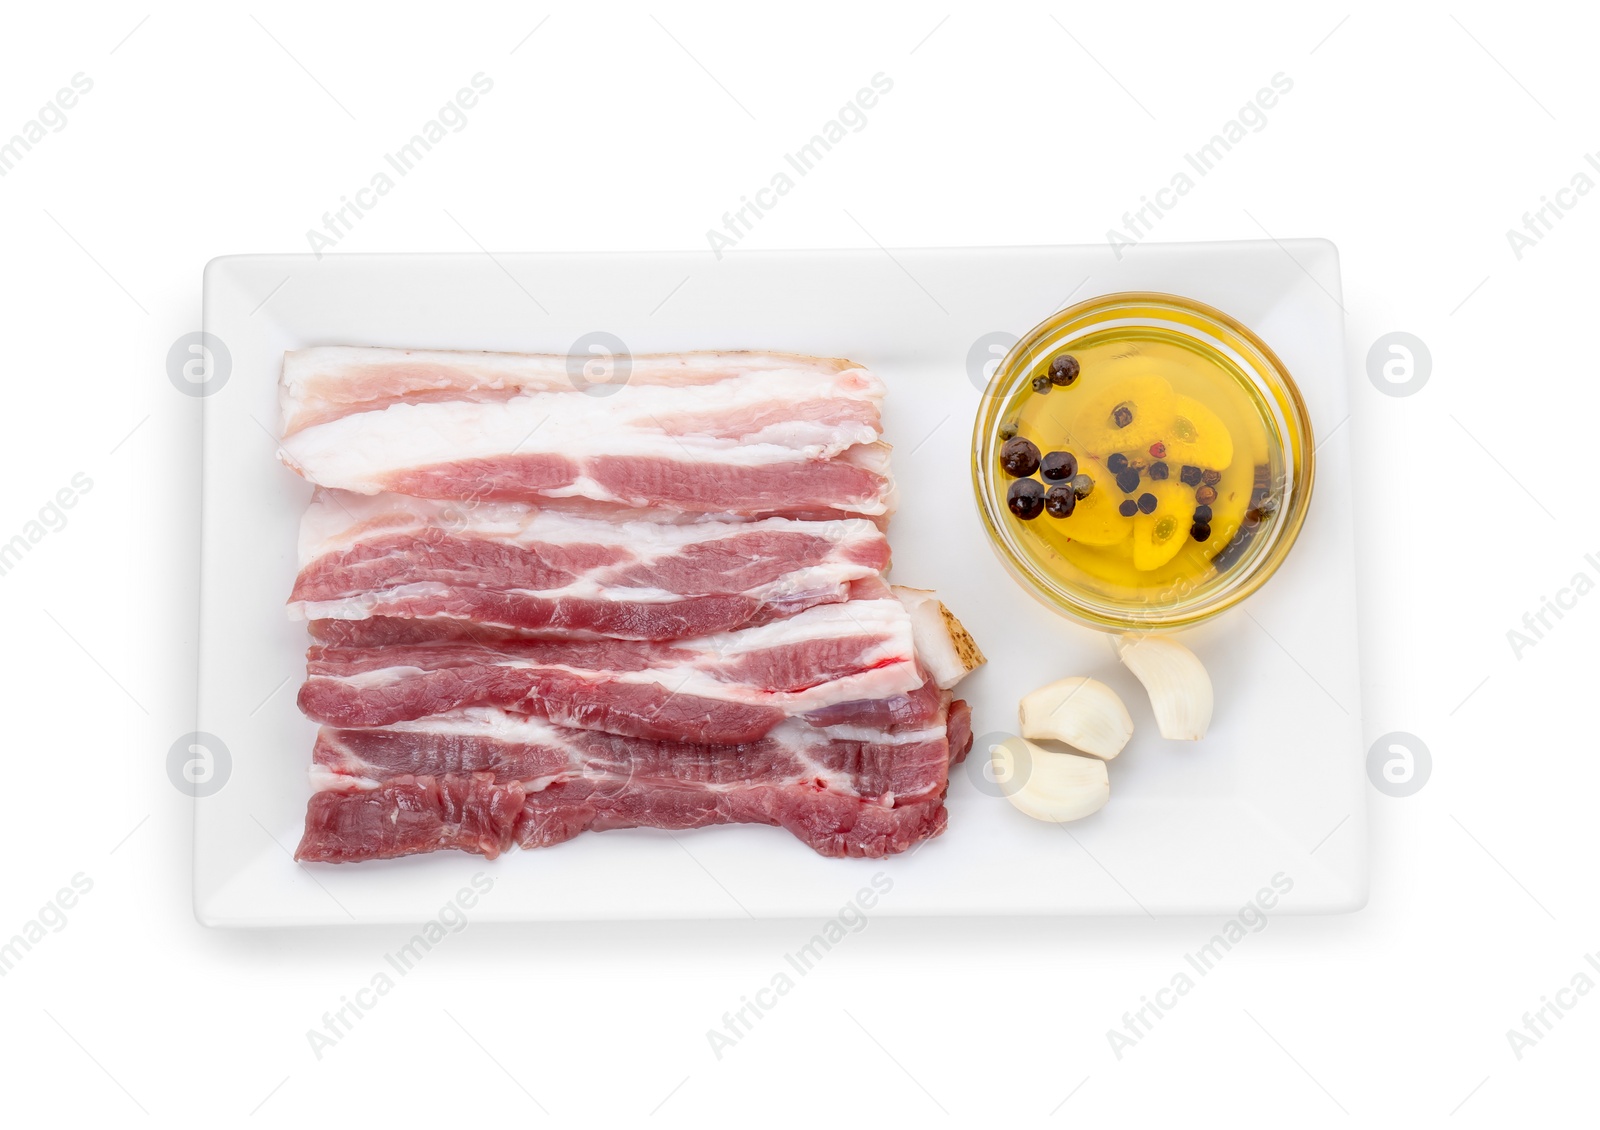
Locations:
{"points": [[1276, 787]]}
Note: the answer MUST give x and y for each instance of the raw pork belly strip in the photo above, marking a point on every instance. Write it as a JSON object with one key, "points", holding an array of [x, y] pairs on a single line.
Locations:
{"points": [[701, 433], [755, 481], [480, 781], [330, 381], [517, 568], [726, 688], [886, 766]]}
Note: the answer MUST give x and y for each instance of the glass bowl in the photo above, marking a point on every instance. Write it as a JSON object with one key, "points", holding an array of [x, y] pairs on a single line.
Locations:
{"points": [[1180, 327]]}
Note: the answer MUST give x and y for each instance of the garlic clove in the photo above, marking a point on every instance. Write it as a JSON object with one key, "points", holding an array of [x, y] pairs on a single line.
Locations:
{"points": [[945, 648], [1050, 786], [1085, 714], [1177, 682]]}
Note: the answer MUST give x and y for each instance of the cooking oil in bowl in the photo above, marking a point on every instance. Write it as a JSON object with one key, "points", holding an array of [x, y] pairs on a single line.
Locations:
{"points": [[1141, 460]]}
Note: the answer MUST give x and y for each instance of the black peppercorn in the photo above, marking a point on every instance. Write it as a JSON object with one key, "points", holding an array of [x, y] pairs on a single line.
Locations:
{"points": [[1058, 466], [1025, 499], [1059, 501], [1019, 457], [1064, 370]]}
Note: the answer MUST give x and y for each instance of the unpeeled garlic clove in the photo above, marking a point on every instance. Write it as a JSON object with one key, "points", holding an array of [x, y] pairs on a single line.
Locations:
{"points": [[1085, 714], [1047, 785], [1176, 680]]}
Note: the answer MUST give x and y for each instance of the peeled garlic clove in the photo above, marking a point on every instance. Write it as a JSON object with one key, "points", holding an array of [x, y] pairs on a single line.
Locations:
{"points": [[945, 648], [1179, 688], [1085, 714], [1047, 785]]}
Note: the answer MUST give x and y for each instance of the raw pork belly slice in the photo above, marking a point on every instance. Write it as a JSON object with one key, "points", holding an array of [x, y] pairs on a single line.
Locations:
{"points": [[515, 568], [326, 382], [458, 782], [899, 764], [754, 481], [725, 688], [712, 433]]}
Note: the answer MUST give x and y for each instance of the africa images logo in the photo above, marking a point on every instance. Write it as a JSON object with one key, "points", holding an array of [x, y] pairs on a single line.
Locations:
{"points": [[51, 118], [851, 118]]}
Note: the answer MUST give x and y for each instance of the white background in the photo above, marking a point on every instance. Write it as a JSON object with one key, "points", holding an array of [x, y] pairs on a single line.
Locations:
{"points": [[1414, 137]]}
